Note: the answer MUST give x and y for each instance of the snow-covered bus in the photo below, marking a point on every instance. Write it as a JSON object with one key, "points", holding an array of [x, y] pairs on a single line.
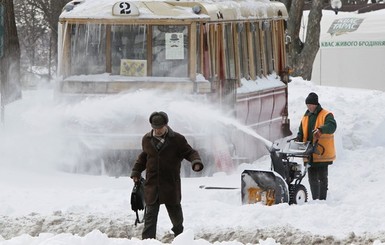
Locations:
{"points": [[231, 53]]}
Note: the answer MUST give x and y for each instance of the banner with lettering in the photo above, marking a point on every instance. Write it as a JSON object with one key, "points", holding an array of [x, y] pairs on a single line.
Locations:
{"points": [[341, 26]]}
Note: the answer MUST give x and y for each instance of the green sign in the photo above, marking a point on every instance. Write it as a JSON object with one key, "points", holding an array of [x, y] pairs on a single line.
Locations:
{"points": [[353, 43], [1, 30]]}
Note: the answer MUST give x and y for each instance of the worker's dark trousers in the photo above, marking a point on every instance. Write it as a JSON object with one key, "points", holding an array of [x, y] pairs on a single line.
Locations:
{"points": [[318, 180], [151, 218]]}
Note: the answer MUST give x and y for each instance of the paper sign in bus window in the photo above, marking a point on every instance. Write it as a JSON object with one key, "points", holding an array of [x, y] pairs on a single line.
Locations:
{"points": [[174, 46], [134, 68]]}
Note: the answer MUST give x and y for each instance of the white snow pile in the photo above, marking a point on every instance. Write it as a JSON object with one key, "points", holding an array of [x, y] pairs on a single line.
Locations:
{"points": [[40, 205]]}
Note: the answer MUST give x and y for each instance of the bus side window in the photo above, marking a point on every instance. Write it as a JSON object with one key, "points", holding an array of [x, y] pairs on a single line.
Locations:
{"points": [[230, 52], [242, 49], [267, 28], [256, 37], [169, 51]]}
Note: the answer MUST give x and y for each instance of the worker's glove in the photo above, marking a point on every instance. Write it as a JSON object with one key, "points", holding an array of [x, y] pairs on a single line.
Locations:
{"points": [[317, 133]]}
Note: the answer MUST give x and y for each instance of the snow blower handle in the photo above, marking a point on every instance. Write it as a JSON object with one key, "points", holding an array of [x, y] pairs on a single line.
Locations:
{"points": [[292, 139], [316, 148]]}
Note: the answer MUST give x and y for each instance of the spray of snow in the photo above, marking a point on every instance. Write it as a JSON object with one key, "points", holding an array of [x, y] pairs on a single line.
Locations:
{"points": [[50, 133]]}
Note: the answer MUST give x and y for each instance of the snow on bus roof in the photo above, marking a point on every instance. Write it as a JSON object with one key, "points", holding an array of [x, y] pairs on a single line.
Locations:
{"points": [[159, 9], [103, 9]]}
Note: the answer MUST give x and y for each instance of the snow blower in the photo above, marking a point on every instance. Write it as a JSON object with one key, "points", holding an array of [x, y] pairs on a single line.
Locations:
{"points": [[283, 183]]}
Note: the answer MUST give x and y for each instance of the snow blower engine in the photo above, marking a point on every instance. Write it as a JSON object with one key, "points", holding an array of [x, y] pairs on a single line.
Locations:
{"points": [[283, 183]]}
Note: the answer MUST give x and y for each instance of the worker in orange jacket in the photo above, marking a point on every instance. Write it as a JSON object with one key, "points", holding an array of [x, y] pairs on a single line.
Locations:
{"points": [[318, 124]]}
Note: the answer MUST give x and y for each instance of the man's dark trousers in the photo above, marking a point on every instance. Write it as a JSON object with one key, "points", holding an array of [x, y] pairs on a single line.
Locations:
{"points": [[318, 180], [151, 218]]}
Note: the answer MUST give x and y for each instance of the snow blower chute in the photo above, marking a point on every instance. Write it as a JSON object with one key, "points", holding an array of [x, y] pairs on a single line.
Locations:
{"points": [[283, 183]]}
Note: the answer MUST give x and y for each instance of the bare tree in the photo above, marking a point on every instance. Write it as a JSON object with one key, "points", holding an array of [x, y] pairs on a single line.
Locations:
{"points": [[302, 54], [10, 61], [50, 11], [29, 21]]}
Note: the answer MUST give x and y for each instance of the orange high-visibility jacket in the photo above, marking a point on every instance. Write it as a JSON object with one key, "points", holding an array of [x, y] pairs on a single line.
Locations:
{"points": [[326, 140]]}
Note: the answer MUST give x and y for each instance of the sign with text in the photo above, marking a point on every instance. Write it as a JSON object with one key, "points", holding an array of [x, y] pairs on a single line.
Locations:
{"points": [[174, 46], [349, 44], [341, 26]]}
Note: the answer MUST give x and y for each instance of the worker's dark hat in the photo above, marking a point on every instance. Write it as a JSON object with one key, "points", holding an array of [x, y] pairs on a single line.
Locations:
{"points": [[312, 99], [158, 119]]}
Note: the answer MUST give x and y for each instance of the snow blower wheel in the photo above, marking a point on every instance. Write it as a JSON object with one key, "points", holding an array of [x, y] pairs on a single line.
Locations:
{"points": [[298, 194]]}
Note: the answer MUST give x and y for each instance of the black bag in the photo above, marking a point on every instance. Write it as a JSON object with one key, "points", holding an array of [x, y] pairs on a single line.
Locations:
{"points": [[137, 199]]}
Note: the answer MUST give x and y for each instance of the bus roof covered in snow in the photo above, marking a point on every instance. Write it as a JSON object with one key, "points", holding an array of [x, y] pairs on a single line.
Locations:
{"points": [[130, 11]]}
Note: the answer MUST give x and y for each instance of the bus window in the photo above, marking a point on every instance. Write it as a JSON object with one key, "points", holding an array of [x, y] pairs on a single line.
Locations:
{"points": [[229, 49], [170, 51], [279, 48], [199, 49], [242, 47], [129, 42], [202, 52], [268, 46], [257, 48], [88, 49]]}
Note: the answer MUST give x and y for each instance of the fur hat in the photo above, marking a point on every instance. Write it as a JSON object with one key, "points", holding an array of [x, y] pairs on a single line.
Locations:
{"points": [[312, 99], [158, 119]]}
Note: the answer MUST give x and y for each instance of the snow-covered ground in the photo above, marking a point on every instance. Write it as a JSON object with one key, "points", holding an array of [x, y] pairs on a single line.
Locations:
{"points": [[42, 206]]}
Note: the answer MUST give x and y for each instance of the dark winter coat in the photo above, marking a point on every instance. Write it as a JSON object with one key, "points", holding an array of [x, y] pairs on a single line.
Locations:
{"points": [[162, 167]]}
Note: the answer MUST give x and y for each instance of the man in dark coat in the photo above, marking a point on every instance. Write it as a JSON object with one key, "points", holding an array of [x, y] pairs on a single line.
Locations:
{"points": [[163, 150], [318, 124]]}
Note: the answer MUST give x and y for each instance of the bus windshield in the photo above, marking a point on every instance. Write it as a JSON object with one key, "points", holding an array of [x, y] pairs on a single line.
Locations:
{"points": [[125, 50]]}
